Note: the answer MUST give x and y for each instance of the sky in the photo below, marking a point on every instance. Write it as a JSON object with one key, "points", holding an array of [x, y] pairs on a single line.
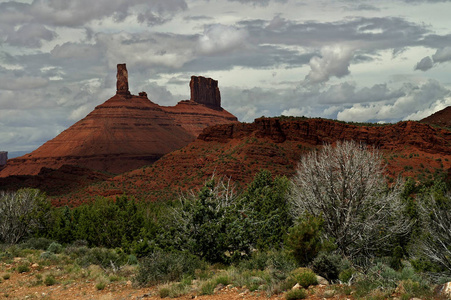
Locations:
{"points": [[362, 61]]}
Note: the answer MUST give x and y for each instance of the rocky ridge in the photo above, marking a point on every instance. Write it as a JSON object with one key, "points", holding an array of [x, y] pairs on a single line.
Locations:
{"points": [[441, 118], [239, 151]]}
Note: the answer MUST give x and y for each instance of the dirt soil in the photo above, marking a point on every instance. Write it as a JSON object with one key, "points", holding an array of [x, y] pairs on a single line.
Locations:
{"points": [[27, 285]]}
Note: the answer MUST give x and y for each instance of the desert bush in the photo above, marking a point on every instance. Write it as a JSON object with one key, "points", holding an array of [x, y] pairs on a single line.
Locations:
{"points": [[105, 258], [296, 294], [207, 287], [47, 256], [345, 186], [22, 213], [49, 280], [276, 261], [39, 243], [305, 277], [167, 266], [55, 248], [23, 268], [327, 265]]}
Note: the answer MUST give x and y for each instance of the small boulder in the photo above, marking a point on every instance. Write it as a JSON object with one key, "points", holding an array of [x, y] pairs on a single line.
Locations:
{"points": [[322, 280], [328, 293], [296, 287]]}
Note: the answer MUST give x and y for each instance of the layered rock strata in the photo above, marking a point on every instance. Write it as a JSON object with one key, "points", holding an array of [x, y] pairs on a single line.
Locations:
{"points": [[124, 133]]}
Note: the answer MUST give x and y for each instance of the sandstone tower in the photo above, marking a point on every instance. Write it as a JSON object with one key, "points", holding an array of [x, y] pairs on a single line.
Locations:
{"points": [[122, 80], [205, 91]]}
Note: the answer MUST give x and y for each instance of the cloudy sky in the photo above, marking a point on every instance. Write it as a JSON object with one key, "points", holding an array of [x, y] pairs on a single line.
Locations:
{"points": [[364, 61]]}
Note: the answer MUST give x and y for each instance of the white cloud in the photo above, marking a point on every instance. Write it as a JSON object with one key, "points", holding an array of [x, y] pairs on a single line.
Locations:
{"points": [[334, 61], [417, 101], [220, 39], [295, 112]]}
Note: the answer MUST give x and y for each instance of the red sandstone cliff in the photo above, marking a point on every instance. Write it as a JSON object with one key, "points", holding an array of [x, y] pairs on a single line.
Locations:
{"points": [[441, 118], [238, 151], [124, 133]]}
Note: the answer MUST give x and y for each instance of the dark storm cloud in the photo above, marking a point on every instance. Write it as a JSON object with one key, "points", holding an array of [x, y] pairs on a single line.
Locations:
{"points": [[424, 64]]}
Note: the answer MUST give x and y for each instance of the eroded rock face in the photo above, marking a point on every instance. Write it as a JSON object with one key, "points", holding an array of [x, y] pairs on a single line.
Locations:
{"points": [[122, 80], [319, 131], [205, 91]]}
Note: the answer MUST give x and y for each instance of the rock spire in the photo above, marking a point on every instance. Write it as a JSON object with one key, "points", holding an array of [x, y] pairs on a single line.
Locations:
{"points": [[122, 80], [205, 91]]}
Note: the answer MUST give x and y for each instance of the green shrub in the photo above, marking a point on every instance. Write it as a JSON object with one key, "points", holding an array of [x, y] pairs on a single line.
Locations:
{"points": [[49, 280], [6, 276], [55, 248], [305, 277], [36, 243], [103, 257], [167, 266], [47, 255], [101, 285], [222, 279], [345, 276], [288, 283], [207, 288], [164, 292], [296, 294], [327, 265], [23, 268], [304, 239]]}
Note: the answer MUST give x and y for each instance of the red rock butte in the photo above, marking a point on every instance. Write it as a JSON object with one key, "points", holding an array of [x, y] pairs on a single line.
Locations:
{"points": [[127, 131]]}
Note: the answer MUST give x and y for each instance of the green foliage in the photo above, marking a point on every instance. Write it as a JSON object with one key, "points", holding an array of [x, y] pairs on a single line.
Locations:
{"points": [[267, 210], [49, 280], [207, 287], [345, 276], [6, 276], [304, 239], [23, 268], [327, 265], [55, 248], [296, 294], [164, 292], [305, 277], [39, 243], [167, 266], [279, 262], [106, 258], [101, 285]]}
